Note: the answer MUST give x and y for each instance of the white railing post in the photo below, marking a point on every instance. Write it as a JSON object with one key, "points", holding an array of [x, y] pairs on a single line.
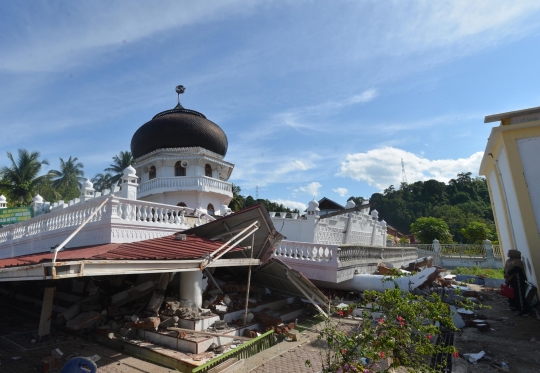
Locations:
{"points": [[436, 246]]}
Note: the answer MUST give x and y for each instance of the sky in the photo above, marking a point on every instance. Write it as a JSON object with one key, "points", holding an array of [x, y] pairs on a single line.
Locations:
{"points": [[317, 98]]}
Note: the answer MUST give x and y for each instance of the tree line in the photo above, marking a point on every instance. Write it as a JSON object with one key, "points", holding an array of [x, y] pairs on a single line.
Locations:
{"points": [[457, 211], [240, 202], [23, 179]]}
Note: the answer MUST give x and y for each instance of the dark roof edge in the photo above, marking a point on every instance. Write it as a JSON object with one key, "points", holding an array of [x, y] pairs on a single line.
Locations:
{"points": [[496, 117]]}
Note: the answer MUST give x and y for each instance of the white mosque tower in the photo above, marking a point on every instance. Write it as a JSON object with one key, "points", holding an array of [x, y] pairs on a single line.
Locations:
{"points": [[179, 157]]}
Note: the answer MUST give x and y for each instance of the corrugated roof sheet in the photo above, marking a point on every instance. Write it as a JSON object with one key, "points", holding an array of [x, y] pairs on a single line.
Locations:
{"points": [[265, 238], [163, 248]]}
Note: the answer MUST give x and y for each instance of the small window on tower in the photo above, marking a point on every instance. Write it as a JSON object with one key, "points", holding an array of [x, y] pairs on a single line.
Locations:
{"points": [[152, 172], [179, 170], [210, 209], [208, 170]]}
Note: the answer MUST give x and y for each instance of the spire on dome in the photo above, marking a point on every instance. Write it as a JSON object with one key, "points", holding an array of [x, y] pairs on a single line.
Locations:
{"points": [[180, 89]]}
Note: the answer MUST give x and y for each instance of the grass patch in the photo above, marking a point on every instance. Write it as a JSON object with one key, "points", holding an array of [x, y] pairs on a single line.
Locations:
{"points": [[475, 271]]}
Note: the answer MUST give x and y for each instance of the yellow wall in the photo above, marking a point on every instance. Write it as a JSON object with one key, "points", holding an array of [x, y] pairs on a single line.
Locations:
{"points": [[505, 137]]}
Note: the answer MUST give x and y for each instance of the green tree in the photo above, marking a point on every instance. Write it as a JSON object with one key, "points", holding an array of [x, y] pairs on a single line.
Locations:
{"points": [[103, 181], [357, 200], [238, 201], [21, 178], [68, 179], [476, 232], [428, 229], [120, 163]]}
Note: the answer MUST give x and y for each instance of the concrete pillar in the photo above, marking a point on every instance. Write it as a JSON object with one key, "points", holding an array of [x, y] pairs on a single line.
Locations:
{"points": [[46, 312], [191, 287], [436, 246], [490, 259]]}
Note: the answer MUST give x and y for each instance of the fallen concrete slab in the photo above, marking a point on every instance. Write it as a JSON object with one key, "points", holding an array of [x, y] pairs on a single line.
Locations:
{"points": [[380, 283]]}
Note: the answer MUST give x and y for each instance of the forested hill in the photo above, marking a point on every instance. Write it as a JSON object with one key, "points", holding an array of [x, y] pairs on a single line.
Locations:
{"points": [[462, 201]]}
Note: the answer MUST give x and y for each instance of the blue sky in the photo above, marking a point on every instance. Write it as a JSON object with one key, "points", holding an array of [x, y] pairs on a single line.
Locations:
{"points": [[317, 98]]}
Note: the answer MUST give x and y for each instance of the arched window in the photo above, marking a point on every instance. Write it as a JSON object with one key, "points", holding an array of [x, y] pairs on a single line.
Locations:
{"points": [[179, 170], [181, 204], [207, 170], [152, 172], [210, 209]]}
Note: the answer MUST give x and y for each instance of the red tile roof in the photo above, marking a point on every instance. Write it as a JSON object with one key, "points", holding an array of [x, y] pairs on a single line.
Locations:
{"points": [[163, 248]]}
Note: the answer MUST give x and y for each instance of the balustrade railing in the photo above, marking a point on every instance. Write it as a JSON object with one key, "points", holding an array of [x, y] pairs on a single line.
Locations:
{"points": [[334, 253], [306, 251], [184, 182], [124, 209], [463, 250], [497, 251], [371, 253]]}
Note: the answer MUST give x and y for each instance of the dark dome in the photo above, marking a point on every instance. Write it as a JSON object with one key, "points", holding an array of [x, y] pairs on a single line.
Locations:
{"points": [[178, 128]]}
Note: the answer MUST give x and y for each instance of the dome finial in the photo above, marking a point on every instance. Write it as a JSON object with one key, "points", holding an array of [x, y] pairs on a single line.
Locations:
{"points": [[180, 89]]}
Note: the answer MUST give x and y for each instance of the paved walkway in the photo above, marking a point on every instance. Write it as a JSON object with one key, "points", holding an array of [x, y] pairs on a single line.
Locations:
{"points": [[291, 356]]}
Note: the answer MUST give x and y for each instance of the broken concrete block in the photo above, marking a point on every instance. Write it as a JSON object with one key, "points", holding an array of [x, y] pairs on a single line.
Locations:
{"points": [[149, 323], [132, 294], [168, 321], [156, 301], [159, 295], [84, 320], [76, 308], [458, 320]]}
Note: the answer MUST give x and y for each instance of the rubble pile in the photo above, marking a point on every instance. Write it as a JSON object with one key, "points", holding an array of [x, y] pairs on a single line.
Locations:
{"points": [[146, 309]]}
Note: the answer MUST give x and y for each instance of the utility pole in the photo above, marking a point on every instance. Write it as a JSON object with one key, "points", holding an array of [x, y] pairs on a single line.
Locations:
{"points": [[403, 174]]}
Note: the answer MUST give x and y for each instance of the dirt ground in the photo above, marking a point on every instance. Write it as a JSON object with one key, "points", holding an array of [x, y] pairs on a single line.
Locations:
{"points": [[512, 339], [18, 321]]}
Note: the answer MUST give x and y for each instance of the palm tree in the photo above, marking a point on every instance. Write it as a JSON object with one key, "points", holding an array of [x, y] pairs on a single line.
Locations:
{"points": [[102, 181], [70, 175], [21, 179], [120, 163], [237, 202]]}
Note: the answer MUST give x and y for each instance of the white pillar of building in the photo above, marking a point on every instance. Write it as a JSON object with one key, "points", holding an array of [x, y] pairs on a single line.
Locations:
{"points": [[312, 219], [191, 287], [129, 184], [375, 221], [87, 191], [383, 226]]}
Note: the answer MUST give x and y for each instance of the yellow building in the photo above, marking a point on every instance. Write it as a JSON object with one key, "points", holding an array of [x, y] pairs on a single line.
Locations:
{"points": [[511, 165]]}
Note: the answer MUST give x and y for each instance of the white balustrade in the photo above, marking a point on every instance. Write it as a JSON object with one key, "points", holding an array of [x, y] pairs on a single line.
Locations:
{"points": [[184, 183], [306, 251], [60, 222]]}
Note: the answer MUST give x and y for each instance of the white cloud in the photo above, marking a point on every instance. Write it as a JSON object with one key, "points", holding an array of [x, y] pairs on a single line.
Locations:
{"points": [[312, 188], [341, 191], [364, 97], [295, 165], [382, 167], [83, 31], [291, 204]]}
